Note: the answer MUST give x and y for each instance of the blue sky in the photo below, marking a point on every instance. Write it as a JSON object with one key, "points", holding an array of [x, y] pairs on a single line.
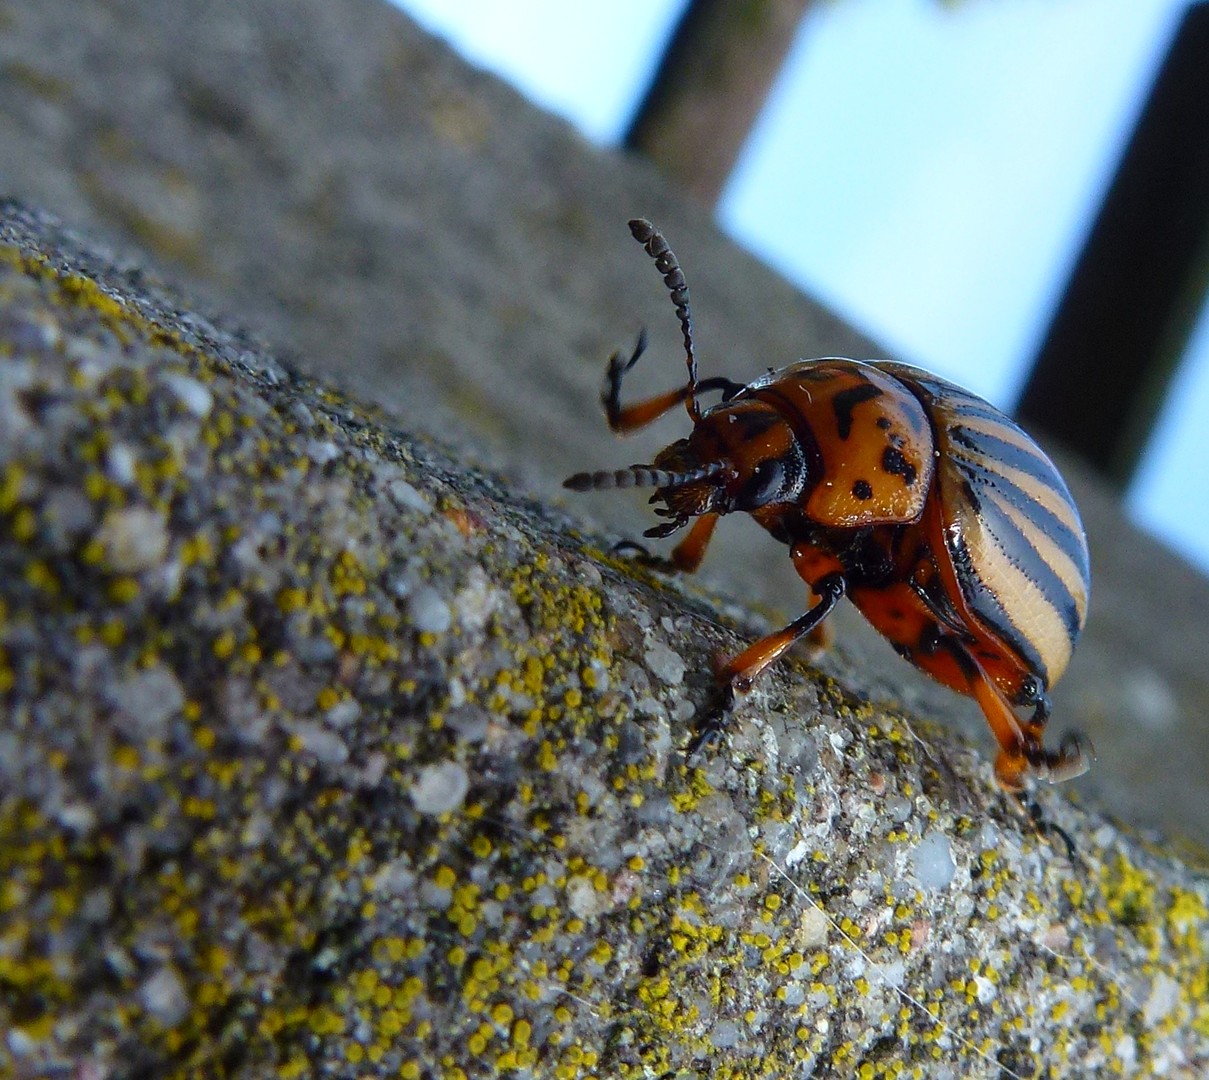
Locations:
{"points": [[927, 170]]}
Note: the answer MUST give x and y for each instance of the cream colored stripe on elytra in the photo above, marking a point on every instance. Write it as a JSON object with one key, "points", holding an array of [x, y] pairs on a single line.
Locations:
{"points": [[1000, 429], [1050, 551], [1037, 490], [1022, 598]]}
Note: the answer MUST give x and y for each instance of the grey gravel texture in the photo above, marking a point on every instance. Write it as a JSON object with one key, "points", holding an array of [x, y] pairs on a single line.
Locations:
{"points": [[421, 235], [322, 754]]}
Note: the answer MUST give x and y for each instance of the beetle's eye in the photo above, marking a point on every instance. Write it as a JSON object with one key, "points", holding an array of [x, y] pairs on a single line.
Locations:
{"points": [[765, 485]]}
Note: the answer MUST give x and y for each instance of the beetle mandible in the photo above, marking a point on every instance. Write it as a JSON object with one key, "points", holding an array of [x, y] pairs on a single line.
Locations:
{"points": [[939, 518]]}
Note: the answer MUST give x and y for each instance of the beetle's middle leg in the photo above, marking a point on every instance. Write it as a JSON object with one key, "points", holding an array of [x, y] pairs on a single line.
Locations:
{"points": [[741, 671]]}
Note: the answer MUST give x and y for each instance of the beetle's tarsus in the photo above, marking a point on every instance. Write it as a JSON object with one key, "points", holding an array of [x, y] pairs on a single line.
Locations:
{"points": [[1030, 808], [1073, 758], [709, 723], [624, 546], [644, 557], [658, 532], [610, 395]]}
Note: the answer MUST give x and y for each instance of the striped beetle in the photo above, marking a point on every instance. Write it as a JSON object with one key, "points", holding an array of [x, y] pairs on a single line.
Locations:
{"points": [[938, 517]]}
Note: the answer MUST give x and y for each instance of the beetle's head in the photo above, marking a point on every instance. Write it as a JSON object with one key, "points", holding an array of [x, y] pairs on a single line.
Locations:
{"points": [[763, 462], [741, 456], [696, 484]]}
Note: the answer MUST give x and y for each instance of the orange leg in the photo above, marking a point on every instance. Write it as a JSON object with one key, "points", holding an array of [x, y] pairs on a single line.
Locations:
{"points": [[1011, 764], [1020, 748], [687, 555], [631, 417], [741, 671], [813, 565]]}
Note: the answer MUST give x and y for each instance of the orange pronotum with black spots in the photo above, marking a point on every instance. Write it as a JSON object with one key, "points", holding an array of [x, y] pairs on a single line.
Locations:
{"points": [[938, 517]]}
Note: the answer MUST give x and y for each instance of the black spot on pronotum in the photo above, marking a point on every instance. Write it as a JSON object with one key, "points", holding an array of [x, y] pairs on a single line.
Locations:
{"points": [[883, 422], [755, 422], [862, 490], [895, 463], [846, 400]]}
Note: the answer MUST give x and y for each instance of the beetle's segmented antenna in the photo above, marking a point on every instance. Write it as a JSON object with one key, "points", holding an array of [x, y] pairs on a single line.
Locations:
{"points": [[673, 277], [639, 476]]}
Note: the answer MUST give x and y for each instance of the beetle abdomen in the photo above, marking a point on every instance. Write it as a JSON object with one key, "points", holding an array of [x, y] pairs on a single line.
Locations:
{"points": [[1011, 527]]}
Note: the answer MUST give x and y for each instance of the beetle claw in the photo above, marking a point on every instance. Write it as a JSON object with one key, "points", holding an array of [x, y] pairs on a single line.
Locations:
{"points": [[644, 557], [1031, 809], [1073, 758], [709, 722], [658, 532]]}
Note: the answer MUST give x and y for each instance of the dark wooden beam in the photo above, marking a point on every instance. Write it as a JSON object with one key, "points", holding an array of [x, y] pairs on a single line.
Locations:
{"points": [[1100, 377], [710, 86]]}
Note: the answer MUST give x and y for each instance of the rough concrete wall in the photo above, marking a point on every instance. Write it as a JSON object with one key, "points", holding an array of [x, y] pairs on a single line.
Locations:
{"points": [[425, 237], [324, 755]]}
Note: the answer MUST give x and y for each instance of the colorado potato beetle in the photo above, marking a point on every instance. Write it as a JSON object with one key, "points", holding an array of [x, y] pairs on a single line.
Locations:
{"points": [[939, 518]]}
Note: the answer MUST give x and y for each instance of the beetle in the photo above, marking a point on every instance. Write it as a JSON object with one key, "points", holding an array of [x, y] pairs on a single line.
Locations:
{"points": [[934, 513]]}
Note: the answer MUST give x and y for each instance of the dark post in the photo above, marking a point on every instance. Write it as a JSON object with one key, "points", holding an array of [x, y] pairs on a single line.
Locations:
{"points": [[710, 86], [1130, 305]]}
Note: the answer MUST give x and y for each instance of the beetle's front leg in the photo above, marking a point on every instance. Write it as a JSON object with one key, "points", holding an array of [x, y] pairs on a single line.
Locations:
{"points": [[623, 418], [686, 556]]}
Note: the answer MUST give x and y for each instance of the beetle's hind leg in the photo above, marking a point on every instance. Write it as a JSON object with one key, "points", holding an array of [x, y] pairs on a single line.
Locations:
{"points": [[1074, 753], [1031, 809], [1021, 750]]}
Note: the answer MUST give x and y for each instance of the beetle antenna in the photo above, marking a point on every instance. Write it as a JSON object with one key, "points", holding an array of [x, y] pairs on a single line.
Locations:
{"points": [[641, 476], [668, 265]]}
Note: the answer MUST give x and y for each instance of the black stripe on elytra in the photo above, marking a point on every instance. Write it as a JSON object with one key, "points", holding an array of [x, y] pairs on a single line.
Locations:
{"points": [[946, 397], [1031, 562], [979, 475], [959, 403], [947, 404], [1021, 554], [993, 448], [846, 400], [988, 610]]}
